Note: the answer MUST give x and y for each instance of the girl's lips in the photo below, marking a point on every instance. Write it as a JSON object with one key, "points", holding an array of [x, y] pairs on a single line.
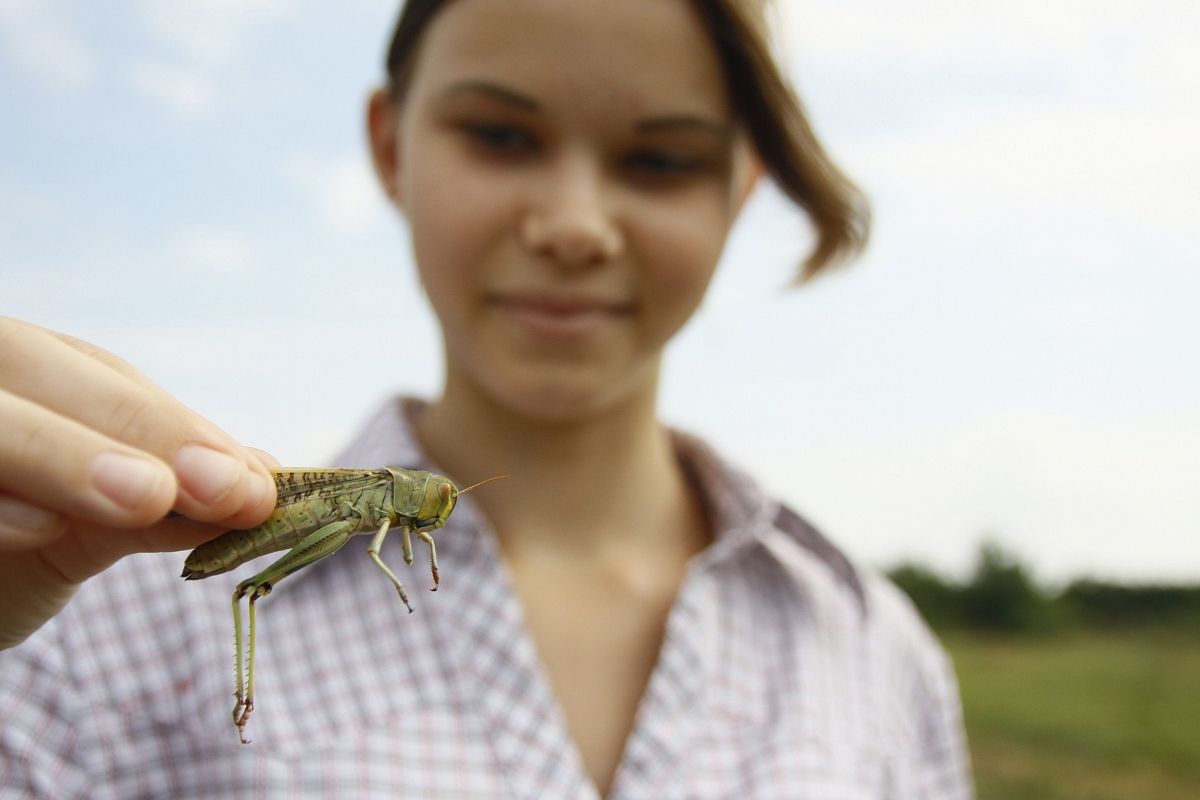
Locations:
{"points": [[558, 318]]}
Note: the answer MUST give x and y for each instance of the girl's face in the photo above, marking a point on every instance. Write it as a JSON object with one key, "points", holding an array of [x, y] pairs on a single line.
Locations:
{"points": [[570, 171]]}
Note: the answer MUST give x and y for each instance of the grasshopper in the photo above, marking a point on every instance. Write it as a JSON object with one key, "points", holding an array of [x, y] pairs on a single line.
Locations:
{"points": [[317, 512]]}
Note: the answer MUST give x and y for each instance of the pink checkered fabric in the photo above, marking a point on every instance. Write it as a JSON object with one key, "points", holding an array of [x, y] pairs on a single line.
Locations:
{"points": [[784, 673]]}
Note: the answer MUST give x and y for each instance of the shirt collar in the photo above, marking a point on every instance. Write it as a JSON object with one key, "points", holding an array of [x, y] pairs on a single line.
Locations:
{"points": [[738, 510], [742, 517]]}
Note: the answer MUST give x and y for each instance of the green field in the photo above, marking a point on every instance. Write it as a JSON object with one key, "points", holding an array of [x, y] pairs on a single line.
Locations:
{"points": [[1083, 716]]}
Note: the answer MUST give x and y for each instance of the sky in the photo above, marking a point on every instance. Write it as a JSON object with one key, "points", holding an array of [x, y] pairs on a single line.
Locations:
{"points": [[1013, 359]]}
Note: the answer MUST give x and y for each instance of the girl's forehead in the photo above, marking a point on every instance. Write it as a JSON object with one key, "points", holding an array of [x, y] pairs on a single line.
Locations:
{"points": [[620, 51]]}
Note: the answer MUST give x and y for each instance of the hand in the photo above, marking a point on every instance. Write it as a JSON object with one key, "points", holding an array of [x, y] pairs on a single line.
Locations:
{"points": [[92, 458]]}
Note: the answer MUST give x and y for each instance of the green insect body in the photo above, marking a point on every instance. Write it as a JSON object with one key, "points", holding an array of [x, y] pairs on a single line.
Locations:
{"points": [[318, 511]]}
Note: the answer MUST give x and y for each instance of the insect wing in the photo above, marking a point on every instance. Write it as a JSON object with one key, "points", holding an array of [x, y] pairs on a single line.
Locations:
{"points": [[302, 485]]}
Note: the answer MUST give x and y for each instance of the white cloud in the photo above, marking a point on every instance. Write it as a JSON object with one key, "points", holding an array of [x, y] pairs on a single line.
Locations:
{"points": [[39, 39], [210, 31], [182, 90], [1076, 109], [1077, 163], [1067, 31], [219, 250], [203, 34], [343, 189], [1132, 55], [1101, 496]]}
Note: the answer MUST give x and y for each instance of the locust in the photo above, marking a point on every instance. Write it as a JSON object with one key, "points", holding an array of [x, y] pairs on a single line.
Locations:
{"points": [[318, 511]]}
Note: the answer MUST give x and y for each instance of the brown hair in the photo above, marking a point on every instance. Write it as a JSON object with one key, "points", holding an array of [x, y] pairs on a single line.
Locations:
{"points": [[763, 102]]}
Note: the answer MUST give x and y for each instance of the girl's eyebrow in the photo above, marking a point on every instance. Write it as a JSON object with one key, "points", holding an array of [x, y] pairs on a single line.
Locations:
{"points": [[494, 91], [721, 130], [509, 97]]}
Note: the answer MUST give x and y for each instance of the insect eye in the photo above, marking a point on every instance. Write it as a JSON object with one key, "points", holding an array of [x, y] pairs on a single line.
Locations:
{"points": [[445, 490]]}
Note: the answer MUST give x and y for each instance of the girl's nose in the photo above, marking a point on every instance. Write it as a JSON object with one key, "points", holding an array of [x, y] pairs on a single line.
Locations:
{"points": [[570, 221]]}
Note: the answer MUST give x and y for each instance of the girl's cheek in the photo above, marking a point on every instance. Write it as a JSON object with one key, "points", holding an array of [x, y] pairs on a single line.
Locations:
{"points": [[685, 247], [451, 232]]}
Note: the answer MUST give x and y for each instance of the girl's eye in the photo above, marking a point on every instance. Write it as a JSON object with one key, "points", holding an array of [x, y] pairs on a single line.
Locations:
{"points": [[661, 164], [500, 138]]}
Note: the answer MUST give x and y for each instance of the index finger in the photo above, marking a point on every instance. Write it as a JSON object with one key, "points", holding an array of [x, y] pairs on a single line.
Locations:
{"points": [[92, 407]]}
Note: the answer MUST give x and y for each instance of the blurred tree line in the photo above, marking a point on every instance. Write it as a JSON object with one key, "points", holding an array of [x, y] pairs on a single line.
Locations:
{"points": [[1001, 595]]}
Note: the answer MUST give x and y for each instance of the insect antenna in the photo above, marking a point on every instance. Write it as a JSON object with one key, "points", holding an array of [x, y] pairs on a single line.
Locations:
{"points": [[481, 483]]}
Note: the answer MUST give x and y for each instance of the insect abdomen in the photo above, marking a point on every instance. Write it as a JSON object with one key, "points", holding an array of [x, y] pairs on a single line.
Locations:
{"points": [[282, 530]]}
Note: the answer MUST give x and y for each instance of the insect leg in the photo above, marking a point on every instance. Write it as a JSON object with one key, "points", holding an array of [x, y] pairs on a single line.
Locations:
{"points": [[425, 536], [248, 706], [406, 544], [312, 548], [238, 662], [244, 702], [373, 552]]}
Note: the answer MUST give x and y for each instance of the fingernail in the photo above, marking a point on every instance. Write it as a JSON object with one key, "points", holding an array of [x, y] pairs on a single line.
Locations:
{"points": [[206, 474], [126, 480], [17, 516]]}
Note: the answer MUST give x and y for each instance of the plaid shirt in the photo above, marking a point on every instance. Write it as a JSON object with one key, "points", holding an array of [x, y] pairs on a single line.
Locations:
{"points": [[784, 673]]}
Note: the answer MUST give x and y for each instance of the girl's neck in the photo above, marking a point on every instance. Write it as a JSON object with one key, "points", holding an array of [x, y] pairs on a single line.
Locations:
{"points": [[612, 477]]}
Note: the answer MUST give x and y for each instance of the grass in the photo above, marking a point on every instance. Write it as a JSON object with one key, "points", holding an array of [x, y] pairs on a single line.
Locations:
{"points": [[1082, 716]]}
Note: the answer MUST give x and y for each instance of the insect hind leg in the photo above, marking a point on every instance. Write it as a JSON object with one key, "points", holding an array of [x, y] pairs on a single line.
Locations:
{"points": [[312, 548]]}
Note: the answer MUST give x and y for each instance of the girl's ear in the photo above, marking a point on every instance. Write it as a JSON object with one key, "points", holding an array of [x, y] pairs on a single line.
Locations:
{"points": [[748, 171], [383, 129]]}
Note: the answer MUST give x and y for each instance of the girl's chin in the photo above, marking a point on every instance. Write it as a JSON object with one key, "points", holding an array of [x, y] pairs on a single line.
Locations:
{"points": [[565, 399], [557, 405]]}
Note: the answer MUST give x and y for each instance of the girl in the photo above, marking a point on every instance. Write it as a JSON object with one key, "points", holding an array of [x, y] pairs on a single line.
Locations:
{"points": [[626, 616]]}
